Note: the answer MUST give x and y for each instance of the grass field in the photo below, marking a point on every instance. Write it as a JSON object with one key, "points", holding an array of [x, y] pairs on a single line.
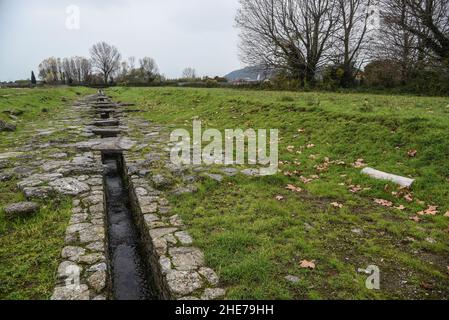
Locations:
{"points": [[250, 237], [254, 240], [30, 248]]}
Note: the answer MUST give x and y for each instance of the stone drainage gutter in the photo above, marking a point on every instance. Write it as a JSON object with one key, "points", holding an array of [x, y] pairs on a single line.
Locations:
{"points": [[172, 268], [178, 267], [130, 277]]}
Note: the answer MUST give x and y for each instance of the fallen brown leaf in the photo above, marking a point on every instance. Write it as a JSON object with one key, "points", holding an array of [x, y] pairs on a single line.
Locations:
{"points": [[383, 202], [427, 285], [412, 153], [288, 173], [337, 205], [430, 211], [415, 218], [408, 197], [446, 214], [359, 163], [293, 188], [279, 198], [401, 207], [307, 264], [355, 189], [305, 180]]}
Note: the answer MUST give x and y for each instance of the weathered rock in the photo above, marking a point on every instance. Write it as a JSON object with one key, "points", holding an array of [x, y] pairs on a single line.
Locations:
{"points": [[21, 209], [7, 127], [186, 258], [170, 238], [97, 281], [184, 237], [150, 218], [160, 245], [184, 282], [72, 253], [9, 155], [23, 171], [39, 178], [165, 264], [69, 186], [68, 269], [93, 199], [97, 209], [216, 177], [159, 233], [250, 172], [92, 234], [60, 155], [53, 165], [91, 258], [141, 191], [402, 181], [37, 192], [6, 176], [176, 221], [96, 246], [210, 275], [213, 294], [161, 182], [292, 279], [149, 208], [107, 144], [98, 267], [184, 190], [78, 218], [77, 227], [230, 171], [71, 293], [4, 164]]}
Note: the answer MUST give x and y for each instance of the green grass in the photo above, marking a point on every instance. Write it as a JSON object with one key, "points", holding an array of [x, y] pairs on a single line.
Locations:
{"points": [[30, 247], [249, 237], [254, 241]]}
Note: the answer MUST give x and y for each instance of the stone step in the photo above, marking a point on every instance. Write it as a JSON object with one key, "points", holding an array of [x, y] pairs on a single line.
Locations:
{"points": [[107, 111], [102, 102], [102, 106], [106, 145], [106, 123], [107, 132]]}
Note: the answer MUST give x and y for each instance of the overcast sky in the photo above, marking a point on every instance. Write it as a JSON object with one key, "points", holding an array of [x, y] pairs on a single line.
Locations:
{"points": [[176, 33]]}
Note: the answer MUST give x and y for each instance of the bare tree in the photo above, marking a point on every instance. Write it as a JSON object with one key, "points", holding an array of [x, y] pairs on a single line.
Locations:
{"points": [[106, 59], [132, 62], [427, 20], [394, 43], [352, 36], [86, 70], [149, 69], [189, 73], [287, 34]]}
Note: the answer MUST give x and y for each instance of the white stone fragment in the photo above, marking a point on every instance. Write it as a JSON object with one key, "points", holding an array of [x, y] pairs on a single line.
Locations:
{"points": [[376, 174]]}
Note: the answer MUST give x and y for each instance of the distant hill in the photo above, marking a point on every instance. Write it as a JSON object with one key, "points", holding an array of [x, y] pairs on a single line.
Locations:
{"points": [[254, 73]]}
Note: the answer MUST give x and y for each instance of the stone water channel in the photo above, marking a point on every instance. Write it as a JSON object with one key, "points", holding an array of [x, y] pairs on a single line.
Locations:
{"points": [[122, 243]]}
